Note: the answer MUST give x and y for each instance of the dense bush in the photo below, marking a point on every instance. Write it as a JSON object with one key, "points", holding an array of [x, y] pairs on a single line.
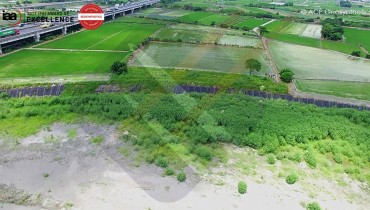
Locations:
{"points": [[271, 159], [291, 178], [242, 187], [181, 177], [313, 206], [286, 75], [310, 159], [169, 171], [161, 162]]}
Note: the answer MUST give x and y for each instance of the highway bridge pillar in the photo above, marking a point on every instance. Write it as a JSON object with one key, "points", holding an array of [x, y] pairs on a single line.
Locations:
{"points": [[64, 30], [113, 16], [1, 50], [132, 11], [37, 37]]}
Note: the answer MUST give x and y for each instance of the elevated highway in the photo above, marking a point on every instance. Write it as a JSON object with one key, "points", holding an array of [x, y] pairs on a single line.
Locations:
{"points": [[33, 30]]}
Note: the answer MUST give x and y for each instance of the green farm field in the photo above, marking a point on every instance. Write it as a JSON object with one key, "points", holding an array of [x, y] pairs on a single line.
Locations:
{"points": [[195, 16], [111, 36], [199, 57], [358, 36], [252, 23], [313, 63], [356, 90], [32, 62], [216, 18]]}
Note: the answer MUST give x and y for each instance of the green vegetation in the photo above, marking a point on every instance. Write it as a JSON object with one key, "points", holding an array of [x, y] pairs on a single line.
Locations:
{"points": [[358, 37], [29, 63], [271, 159], [72, 133], [358, 90], [175, 130], [97, 140], [169, 171], [194, 17], [332, 29], [313, 206], [111, 36], [181, 177], [251, 23], [294, 39], [199, 57], [253, 65], [242, 187], [119, 67], [291, 178], [286, 75]]}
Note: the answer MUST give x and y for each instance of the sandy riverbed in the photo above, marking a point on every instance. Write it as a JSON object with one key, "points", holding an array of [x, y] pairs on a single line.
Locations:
{"points": [[51, 170]]}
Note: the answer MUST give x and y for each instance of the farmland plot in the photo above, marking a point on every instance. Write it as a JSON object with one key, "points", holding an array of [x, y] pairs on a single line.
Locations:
{"points": [[199, 57], [240, 41], [358, 36], [189, 36], [33, 62], [111, 36], [312, 63], [252, 23], [313, 31], [299, 29]]}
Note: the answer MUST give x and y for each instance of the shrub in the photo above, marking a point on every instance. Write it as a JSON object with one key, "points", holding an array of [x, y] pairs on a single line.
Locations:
{"points": [[97, 140], [310, 159], [169, 171], [242, 187], [367, 56], [181, 177], [286, 75], [161, 162], [313, 206], [291, 178], [119, 67], [356, 53], [271, 159], [338, 159]]}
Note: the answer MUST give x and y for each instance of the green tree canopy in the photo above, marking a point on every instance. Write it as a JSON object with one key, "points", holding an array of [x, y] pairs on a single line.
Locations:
{"points": [[253, 65], [119, 67]]}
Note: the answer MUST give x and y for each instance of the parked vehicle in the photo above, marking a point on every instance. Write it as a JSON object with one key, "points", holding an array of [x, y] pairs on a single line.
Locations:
{"points": [[46, 25], [8, 32]]}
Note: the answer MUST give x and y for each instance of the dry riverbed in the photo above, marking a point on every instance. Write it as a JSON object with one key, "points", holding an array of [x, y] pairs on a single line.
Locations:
{"points": [[61, 168]]}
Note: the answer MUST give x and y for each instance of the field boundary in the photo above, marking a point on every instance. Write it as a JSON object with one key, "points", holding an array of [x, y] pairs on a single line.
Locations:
{"points": [[74, 50]]}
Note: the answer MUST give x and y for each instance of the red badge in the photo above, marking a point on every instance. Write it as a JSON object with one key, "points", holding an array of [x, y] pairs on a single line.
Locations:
{"points": [[91, 16]]}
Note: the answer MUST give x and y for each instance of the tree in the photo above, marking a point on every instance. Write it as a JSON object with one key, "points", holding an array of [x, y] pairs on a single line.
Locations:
{"points": [[367, 56], [286, 75], [356, 53], [263, 30], [253, 65], [119, 67]]}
